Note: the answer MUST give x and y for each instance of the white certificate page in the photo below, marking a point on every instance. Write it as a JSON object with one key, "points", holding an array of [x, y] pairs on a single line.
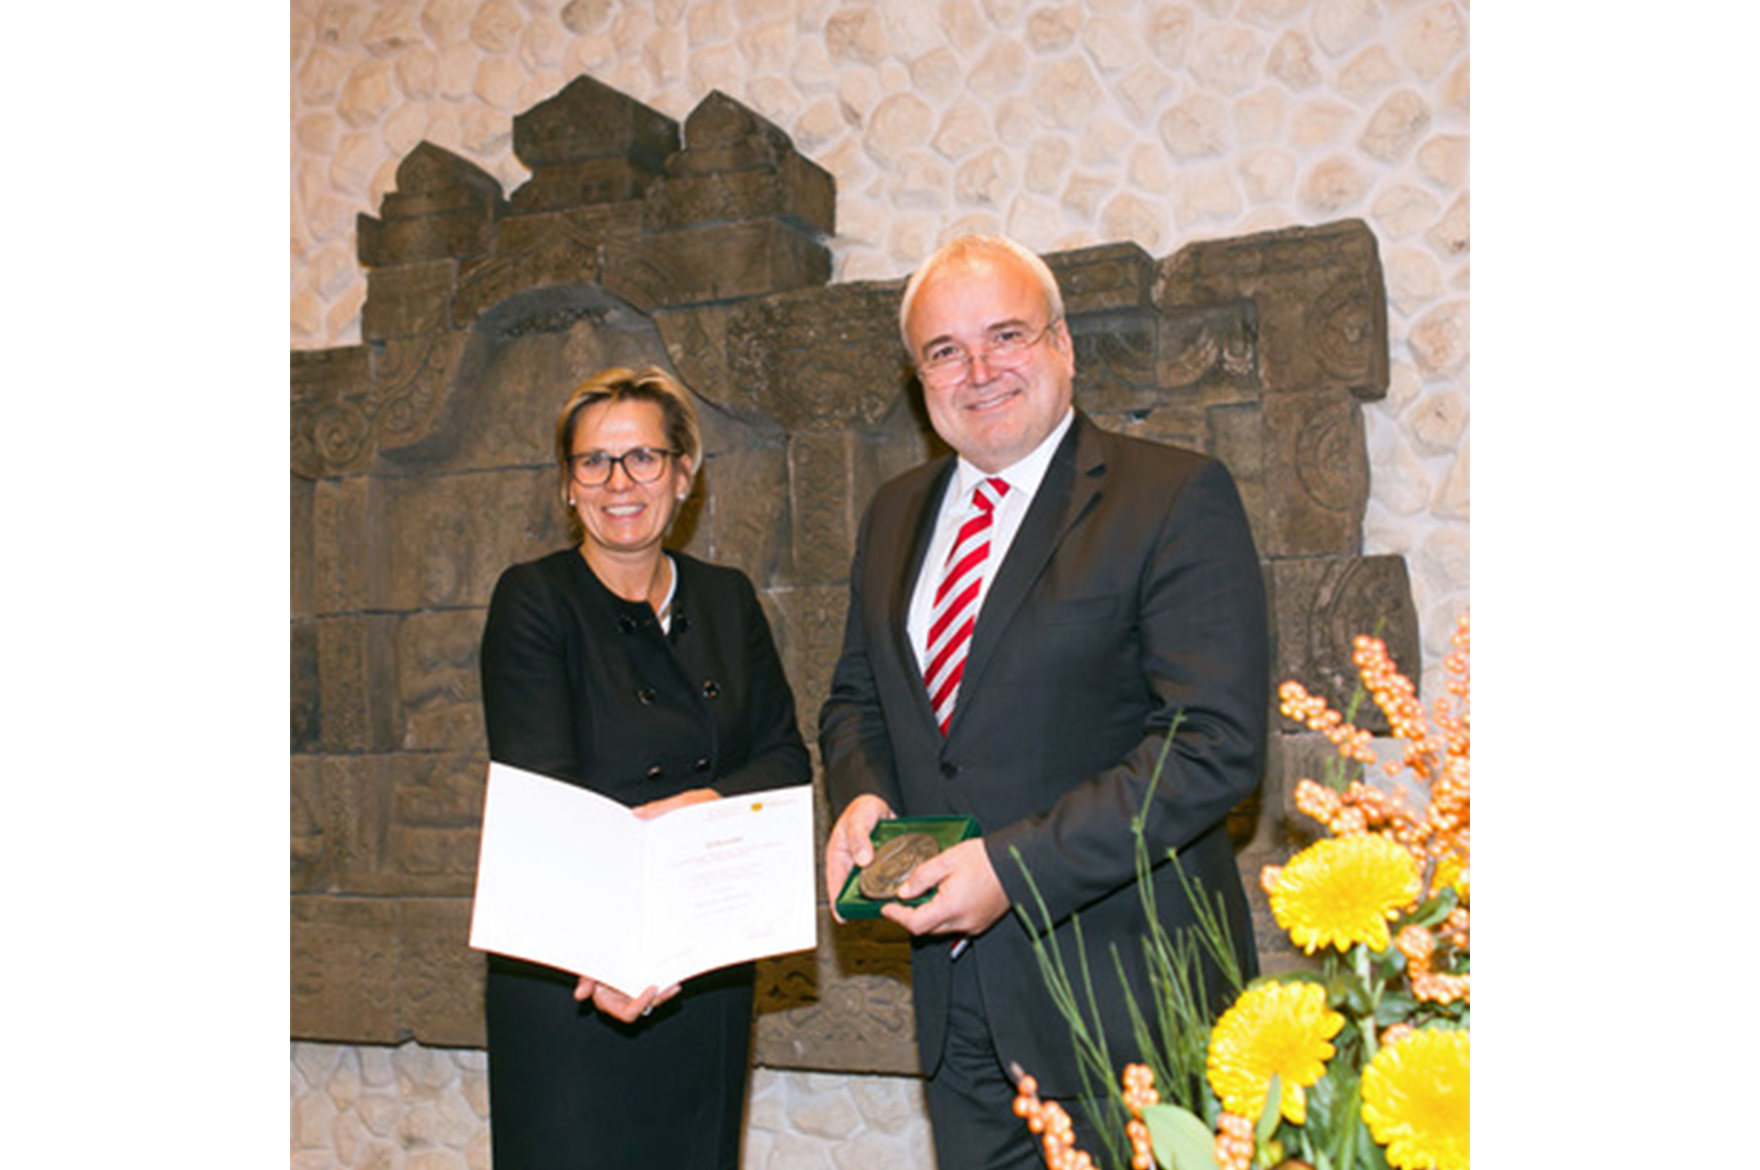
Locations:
{"points": [[574, 880]]}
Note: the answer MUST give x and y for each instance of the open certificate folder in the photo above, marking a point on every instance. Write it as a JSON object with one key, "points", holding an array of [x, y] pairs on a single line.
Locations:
{"points": [[575, 880]]}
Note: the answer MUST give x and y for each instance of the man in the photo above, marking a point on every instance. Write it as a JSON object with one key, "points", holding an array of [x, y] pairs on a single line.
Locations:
{"points": [[1117, 594]]}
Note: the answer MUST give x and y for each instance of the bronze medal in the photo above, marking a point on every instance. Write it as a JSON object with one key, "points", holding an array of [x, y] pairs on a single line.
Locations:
{"points": [[893, 862]]}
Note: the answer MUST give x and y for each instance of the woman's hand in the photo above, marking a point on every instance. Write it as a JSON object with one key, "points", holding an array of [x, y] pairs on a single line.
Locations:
{"points": [[616, 1004], [690, 796], [603, 996]]}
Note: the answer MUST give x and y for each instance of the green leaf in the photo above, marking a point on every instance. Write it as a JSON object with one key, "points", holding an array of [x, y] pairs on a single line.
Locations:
{"points": [[1322, 1110], [1345, 1140], [1437, 909], [1394, 1007], [1180, 1141], [1359, 999], [1369, 1155], [1272, 1113]]}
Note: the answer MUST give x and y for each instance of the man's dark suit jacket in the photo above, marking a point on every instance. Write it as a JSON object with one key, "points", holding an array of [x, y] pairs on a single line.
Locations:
{"points": [[1130, 600]]}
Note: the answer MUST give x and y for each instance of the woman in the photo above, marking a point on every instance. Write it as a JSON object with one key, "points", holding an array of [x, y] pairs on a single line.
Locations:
{"points": [[650, 677]]}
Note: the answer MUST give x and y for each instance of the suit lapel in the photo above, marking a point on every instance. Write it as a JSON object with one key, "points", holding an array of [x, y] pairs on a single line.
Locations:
{"points": [[919, 513], [1072, 482]]}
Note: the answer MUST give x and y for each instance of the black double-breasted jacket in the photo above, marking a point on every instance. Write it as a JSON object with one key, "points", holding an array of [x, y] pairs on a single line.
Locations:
{"points": [[584, 686]]}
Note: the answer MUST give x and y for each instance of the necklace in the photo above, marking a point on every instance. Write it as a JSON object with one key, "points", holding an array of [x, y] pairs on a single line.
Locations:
{"points": [[663, 607], [662, 583]]}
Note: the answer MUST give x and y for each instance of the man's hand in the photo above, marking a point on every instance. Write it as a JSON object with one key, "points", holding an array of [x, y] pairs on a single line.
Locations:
{"points": [[849, 844], [968, 897]]}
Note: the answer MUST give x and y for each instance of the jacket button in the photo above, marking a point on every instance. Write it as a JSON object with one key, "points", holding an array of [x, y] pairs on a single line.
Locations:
{"points": [[711, 688], [949, 769], [655, 771], [646, 696], [703, 764]]}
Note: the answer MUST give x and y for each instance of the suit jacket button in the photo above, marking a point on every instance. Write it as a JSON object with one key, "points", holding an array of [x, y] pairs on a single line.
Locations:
{"points": [[949, 769], [646, 696], [711, 688], [655, 771], [703, 764]]}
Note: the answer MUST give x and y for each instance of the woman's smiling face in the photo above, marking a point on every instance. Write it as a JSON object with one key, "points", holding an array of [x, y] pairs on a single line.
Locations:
{"points": [[620, 515]]}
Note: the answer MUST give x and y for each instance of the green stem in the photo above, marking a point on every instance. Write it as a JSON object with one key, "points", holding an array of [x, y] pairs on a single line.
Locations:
{"points": [[1372, 989]]}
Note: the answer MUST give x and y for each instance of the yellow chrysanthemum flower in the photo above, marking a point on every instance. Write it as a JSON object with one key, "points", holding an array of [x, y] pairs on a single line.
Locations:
{"points": [[1343, 890], [1416, 1100], [1453, 871], [1280, 1029]]}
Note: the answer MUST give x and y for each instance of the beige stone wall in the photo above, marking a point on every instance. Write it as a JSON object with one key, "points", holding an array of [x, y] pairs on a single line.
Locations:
{"points": [[414, 1108], [1062, 124]]}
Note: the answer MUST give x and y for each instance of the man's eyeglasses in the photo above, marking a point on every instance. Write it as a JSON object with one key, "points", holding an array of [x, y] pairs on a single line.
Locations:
{"points": [[1007, 347], [641, 464]]}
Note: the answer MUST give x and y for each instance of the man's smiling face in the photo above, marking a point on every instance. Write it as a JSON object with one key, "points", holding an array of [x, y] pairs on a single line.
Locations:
{"points": [[992, 417]]}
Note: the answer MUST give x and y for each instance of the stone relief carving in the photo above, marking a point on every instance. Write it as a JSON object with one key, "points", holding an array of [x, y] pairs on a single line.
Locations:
{"points": [[420, 469]]}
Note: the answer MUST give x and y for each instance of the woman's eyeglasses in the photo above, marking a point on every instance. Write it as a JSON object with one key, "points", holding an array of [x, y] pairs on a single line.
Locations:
{"points": [[641, 464]]}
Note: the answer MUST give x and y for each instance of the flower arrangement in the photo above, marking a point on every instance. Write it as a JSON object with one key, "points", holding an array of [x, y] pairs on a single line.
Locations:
{"points": [[1363, 1064]]}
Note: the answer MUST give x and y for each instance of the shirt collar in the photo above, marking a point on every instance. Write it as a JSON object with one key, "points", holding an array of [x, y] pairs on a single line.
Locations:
{"points": [[1023, 476]]}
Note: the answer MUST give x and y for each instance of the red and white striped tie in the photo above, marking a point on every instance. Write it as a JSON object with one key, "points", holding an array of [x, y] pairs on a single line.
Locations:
{"points": [[956, 601]]}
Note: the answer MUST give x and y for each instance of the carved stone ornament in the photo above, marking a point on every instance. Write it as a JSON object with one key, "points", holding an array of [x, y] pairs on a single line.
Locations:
{"points": [[421, 469]]}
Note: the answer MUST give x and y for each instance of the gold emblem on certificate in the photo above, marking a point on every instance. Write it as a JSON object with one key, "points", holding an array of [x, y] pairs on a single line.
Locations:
{"points": [[893, 862]]}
